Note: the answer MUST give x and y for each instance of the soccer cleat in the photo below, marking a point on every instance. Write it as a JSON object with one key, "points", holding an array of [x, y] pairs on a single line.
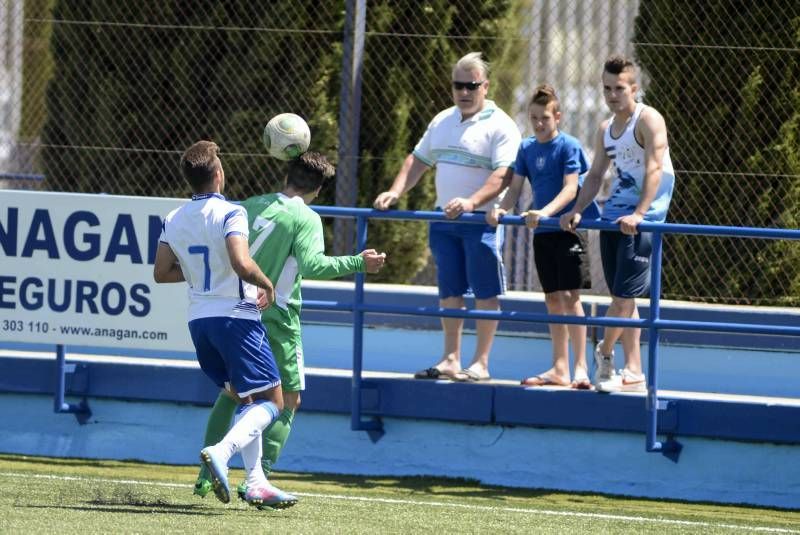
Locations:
{"points": [[219, 474], [269, 496], [625, 381], [241, 490], [202, 487], [605, 365]]}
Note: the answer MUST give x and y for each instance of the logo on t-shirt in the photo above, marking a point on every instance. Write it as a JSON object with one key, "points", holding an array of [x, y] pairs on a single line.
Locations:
{"points": [[540, 161]]}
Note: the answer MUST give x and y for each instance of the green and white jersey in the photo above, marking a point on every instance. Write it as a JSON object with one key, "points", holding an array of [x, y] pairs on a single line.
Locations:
{"points": [[287, 243]]}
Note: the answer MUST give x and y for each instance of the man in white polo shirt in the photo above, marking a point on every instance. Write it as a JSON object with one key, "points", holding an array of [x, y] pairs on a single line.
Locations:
{"points": [[473, 146]]}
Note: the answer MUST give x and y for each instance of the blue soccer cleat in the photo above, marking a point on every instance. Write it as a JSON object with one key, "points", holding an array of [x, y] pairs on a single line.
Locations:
{"points": [[219, 474], [269, 496]]}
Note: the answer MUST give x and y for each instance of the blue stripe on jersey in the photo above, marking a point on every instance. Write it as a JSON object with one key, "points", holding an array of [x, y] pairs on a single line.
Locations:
{"points": [[234, 233], [230, 215], [244, 305], [201, 196], [241, 289]]}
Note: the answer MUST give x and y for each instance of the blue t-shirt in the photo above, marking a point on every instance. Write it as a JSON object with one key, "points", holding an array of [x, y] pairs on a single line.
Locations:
{"points": [[546, 164]]}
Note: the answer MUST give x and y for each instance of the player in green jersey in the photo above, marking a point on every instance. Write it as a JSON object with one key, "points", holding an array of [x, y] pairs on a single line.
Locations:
{"points": [[287, 243]]}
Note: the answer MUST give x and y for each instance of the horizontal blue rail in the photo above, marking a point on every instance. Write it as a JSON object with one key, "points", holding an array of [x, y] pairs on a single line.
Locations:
{"points": [[653, 323]]}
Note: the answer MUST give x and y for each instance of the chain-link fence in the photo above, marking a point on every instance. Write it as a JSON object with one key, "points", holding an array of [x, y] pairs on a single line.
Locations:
{"points": [[100, 96]]}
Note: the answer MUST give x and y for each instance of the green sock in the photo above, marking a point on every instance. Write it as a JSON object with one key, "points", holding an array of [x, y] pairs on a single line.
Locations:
{"points": [[274, 439], [219, 421]]}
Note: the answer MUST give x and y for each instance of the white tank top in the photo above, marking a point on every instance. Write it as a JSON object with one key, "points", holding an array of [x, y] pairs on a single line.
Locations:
{"points": [[629, 169]]}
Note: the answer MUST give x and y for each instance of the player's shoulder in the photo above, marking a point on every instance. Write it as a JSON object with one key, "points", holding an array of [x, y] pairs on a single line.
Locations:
{"points": [[651, 116], [256, 203]]}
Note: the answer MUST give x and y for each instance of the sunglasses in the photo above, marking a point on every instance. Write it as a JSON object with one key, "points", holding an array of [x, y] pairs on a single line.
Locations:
{"points": [[470, 86]]}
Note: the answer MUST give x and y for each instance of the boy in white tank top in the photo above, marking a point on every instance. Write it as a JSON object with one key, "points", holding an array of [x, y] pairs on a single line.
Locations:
{"points": [[635, 140]]}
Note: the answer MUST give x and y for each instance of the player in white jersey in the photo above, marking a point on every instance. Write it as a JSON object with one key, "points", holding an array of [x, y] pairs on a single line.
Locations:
{"points": [[204, 243], [635, 140]]}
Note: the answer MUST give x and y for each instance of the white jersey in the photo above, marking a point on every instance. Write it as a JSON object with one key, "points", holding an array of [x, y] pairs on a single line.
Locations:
{"points": [[629, 170], [466, 152], [196, 233]]}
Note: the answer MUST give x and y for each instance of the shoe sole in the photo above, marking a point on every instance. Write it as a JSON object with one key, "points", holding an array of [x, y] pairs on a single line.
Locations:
{"points": [[278, 505], [219, 481]]}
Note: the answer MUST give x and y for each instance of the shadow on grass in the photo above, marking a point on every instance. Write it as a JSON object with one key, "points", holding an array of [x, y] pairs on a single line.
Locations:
{"points": [[139, 508]]}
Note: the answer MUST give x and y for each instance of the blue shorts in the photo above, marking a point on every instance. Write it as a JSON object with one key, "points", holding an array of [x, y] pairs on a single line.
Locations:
{"points": [[626, 263], [235, 351], [468, 257]]}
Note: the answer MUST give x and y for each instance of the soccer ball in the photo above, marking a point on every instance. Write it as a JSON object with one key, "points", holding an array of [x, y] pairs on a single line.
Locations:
{"points": [[286, 136]]}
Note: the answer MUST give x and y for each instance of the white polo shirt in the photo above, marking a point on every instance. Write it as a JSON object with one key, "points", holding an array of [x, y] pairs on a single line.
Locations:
{"points": [[465, 153]]}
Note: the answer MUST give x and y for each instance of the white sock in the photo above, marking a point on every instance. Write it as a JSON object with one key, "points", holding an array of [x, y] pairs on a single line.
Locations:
{"points": [[250, 421]]}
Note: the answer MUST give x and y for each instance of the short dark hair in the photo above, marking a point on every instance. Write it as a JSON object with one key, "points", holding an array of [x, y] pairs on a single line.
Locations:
{"points": [[200, 163], [309, 171], [544, 94], [617, 64]]}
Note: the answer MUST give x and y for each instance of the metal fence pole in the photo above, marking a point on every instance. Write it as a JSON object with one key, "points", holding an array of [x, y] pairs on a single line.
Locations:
{"points": [[349, 121], [670, 448], [374, 426]]}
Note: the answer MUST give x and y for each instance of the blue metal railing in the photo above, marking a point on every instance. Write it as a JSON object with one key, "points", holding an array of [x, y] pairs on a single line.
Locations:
{"points": [[653, 323]]}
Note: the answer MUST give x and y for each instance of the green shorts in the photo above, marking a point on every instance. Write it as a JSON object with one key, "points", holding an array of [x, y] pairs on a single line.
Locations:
{"points": [[287, 346]]}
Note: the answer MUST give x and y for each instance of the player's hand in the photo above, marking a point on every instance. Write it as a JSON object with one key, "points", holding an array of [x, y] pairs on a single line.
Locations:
{"points": [[532, 218], [385, 200], [458, 206], [493, 216], [570, 221], [628, 223], [265, 297], [373, 260]]}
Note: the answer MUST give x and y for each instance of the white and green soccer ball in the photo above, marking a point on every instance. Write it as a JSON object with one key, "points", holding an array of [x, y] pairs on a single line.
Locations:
{"points": [[286, 136]]}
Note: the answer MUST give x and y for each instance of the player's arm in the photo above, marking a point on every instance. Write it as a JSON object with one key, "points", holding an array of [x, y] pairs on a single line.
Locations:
{"points": [[245, 267], [653, 130], [495, 183], [569, 191], [591, 182], [309, 251], [509, 200], [166, 267], [409, 175]]}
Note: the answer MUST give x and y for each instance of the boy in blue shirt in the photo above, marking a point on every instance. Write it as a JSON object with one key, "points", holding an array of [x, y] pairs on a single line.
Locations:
{"points": [[553, 162]]}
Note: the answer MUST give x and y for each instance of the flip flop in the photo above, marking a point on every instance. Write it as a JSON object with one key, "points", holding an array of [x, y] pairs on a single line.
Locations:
{"points": [[543, 379], [468, 376], [432, 373]]}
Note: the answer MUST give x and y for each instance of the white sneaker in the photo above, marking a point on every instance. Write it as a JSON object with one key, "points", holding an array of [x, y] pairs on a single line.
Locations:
{"points": [[625, 381], [605, 365]]}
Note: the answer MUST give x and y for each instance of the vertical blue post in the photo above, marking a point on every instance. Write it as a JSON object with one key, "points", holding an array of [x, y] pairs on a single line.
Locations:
{"points": [[358, 331], [58, 400], [670, 448], [652, 345]]}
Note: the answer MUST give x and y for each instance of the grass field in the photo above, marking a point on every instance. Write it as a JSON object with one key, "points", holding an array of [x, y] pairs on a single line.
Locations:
{"points": [[45, 495]]}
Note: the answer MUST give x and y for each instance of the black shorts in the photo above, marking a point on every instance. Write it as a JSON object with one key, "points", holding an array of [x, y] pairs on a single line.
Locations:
{"points": [[626, 263], [561, 261]]}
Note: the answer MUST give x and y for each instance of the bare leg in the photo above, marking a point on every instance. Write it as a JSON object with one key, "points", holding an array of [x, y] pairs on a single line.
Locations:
{"points": [[630, 345], [577, 333], [485, 330], [559, 334], [452, 327], [621, 307]]}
